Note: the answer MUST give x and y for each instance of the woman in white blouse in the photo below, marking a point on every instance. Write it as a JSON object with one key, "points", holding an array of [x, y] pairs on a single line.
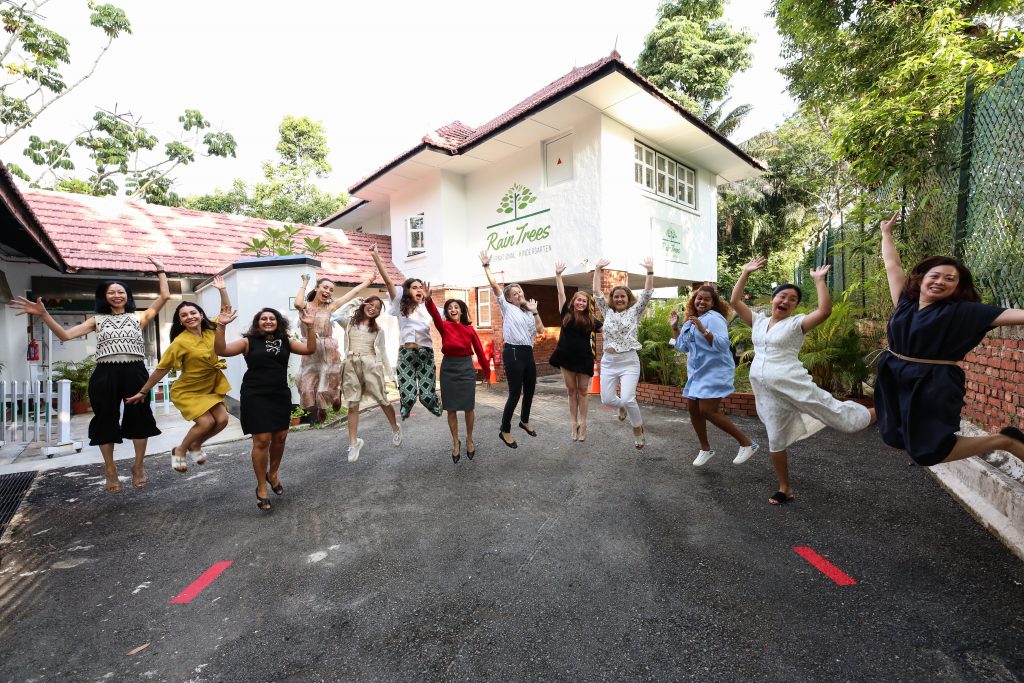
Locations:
{"points": [[620, 363], [520, 324]]}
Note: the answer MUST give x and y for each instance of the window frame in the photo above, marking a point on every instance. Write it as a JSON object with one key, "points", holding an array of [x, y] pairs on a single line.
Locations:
{"points": [[664, 176], [410, 252], [483, 296]]}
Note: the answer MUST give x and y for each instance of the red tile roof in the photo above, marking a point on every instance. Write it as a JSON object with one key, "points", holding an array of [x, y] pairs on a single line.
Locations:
{"points": [[112, 233]]}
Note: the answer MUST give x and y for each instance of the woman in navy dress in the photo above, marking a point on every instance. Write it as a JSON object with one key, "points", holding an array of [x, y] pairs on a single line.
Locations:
{"points": [[575, 353], [920, 388]]}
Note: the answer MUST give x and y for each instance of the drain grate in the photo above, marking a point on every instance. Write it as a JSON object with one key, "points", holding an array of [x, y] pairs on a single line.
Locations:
{"points": [[13, 488]]}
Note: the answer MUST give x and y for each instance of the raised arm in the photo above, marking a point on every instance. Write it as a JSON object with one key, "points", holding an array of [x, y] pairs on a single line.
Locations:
{"points": [[348, 296], [37, 308], [154, 379], [648, 263], [559, 268], [162, 298], [601, 263], [307, 347], [225, 300], [392, 292], [432, 309], [220, 345], [300, 296], [824, 309], [485, 261], [891, 257], [531, 306], [736, 300]]}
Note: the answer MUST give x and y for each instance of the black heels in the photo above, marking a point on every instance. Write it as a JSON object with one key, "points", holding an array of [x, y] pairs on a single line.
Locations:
{"points": [[262, 503], [278, 490], [458, 452]]}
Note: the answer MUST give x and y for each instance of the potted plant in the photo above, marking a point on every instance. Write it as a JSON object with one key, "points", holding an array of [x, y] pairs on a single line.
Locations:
{"points": [[78, 372], [297, 414]]}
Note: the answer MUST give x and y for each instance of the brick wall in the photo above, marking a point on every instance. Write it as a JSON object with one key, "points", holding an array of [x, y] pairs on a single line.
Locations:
{"points": [[672, 397], [995, 380]]}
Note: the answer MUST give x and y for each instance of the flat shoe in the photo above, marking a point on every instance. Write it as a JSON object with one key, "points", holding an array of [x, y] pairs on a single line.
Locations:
{"points": [[278, 490], [780, 498], [511, 444], [702, 457], [745, 453], [198, 457], [178, 462], [353, 450], [522, 425]]}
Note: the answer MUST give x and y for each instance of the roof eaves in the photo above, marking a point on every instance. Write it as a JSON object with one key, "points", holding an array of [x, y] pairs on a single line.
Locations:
{"points": [[23, 213], [401, 159], [344, 210]]}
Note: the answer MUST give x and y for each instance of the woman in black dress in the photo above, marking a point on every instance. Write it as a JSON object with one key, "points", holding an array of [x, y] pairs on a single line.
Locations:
{"points": [[265, 396], [920, 388], [575, 352]]}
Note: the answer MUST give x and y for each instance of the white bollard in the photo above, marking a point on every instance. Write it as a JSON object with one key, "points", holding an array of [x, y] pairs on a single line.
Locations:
{"points": [[3, 412], [37, 390], [14, 412], [64, 411]]}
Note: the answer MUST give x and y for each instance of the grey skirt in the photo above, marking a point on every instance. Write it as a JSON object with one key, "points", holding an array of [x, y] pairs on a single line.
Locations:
{"points": [[458, 383]]}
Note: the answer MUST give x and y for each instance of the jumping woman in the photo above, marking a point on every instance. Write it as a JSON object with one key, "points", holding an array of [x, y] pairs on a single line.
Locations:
{"points": [[265, 399], [575, 352], [120, 369], [710, 370], [620, 363], [789, 403], [920, 391], [520, 325]]}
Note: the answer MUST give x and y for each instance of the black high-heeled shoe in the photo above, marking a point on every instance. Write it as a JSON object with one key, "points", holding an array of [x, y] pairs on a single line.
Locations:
{"points": [[278, 490], [469, 453], [458, 453], [262, 503]]}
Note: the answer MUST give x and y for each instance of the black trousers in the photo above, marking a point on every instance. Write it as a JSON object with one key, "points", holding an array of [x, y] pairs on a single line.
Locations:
{"points": [[521, 374], [109, 385]]}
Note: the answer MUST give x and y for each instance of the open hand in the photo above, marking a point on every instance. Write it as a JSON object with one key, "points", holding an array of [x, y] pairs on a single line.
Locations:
{"points": [[602, 263], [426, 290], [27, 306], [156, 262], [134, 399], [755, 264], [227, 315], [369, 276], [305, 279], [887, 225], [218, 282], [648, 263], [819, 274], [673, 319], [485, 258], [531, 305], [559, 267]]}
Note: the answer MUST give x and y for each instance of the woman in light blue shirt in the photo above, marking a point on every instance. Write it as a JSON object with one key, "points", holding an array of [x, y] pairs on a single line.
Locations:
{"points": [[710, 369]]}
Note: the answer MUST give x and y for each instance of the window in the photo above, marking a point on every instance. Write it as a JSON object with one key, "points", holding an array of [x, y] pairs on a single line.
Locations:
{"points": [[414, 235], [483, 307], [663, 176]]}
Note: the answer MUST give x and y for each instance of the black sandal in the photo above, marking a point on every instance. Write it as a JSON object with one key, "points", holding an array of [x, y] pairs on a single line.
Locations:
{"points": [[780, 498], [526, 429], [278, 490], [262, 503]]}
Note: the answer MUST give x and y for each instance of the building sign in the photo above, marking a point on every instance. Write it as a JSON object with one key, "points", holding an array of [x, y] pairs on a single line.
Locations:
{"points": [[522, 231], [670, 237]]}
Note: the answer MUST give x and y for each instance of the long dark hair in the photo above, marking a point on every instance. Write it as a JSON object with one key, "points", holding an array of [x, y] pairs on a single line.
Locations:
{"points": [[581, 320], [407, 304], [463, 308], [312, 292], [965, 290], [103, 307], [282, 326], [176, 326], [360, 317], [717, 304]]}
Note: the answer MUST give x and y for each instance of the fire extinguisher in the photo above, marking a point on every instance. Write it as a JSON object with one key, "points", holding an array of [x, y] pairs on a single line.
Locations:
{"points": [[33, 350]]}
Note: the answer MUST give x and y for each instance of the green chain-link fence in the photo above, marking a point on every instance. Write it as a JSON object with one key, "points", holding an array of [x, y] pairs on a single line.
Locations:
{"points": [[970, 204]]}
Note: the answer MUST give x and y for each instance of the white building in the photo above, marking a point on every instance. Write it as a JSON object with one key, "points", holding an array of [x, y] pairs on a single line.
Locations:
{"points": [[597, 164]]}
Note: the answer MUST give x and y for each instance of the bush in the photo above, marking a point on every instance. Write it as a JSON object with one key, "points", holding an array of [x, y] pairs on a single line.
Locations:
{"points": [[660, 363], [79, 373]]}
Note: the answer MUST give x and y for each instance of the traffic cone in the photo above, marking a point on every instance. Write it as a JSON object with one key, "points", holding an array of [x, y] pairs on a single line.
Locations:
{"points": [[493, 378], [595, 381]]}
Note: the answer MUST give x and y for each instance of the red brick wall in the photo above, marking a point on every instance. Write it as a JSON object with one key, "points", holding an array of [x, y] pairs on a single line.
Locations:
{"points": [[995, 380], [672, 397]]}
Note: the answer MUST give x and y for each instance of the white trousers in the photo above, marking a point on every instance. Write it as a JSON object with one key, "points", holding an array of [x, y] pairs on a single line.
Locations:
{"points": [[622, 371]]}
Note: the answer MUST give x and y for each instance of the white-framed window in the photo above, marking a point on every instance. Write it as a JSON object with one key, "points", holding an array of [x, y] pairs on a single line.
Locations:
{"points": [[663, 176], [415, 237], [483, 306]]}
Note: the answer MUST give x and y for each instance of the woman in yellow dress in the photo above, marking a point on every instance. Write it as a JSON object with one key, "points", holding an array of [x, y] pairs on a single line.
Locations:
{"points": [[198, 392]]}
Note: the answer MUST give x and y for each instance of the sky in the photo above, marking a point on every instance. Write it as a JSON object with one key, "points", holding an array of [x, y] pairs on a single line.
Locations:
{"points": [[379, 75]]}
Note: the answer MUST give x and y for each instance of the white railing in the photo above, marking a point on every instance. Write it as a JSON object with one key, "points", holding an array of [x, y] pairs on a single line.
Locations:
{"points": [[37, 411]]}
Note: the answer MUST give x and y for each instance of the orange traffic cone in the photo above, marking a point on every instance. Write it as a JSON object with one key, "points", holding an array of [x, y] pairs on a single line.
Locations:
{"points": [[595, 381], [493, 378]]}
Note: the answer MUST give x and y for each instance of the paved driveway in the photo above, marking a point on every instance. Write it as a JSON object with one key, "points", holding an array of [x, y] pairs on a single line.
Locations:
{"points": [[556, 561]]}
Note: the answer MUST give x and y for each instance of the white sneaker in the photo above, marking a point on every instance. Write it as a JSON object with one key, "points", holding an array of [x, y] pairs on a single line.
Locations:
{"points": [[745, 453], [353, 451], [703, 457], [396, 437]]}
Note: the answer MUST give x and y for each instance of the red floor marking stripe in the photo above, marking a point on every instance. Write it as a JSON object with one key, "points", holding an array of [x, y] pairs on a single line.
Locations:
{"points": [[824, 566], [197, 586]]}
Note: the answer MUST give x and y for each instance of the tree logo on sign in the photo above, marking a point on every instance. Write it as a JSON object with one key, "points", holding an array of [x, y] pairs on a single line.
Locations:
{"points": [[516, 199]]}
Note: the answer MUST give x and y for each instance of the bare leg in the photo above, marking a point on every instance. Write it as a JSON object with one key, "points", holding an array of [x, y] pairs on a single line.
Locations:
{"points": [[570, 386], [453, 427], [138, 471], [389, 413], [353, 423], [277, 441], [693, 405], [709, 410], [110, 468], [260, 461], [470, 419], [969, 446], [780, 459], [203, 425], [220, 420], [874, 416], [583, 401]]}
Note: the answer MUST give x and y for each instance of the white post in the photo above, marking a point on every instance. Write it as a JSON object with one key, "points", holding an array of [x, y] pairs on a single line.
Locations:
{"points": [[64, 411], [37, 390], [3, 411], [26, 393], [14, 411], [49, 407]]}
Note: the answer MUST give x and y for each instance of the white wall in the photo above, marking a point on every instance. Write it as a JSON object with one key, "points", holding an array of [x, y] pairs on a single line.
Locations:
{"points": [[423, 196], [628, 210]]}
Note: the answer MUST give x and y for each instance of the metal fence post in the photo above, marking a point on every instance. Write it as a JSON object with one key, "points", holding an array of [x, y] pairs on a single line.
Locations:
{"points": [[964, 187]]}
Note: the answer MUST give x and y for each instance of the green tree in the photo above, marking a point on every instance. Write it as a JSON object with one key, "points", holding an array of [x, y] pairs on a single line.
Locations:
{"points": [[34, 58], [289, 193], [886, 78], [692, 54]]}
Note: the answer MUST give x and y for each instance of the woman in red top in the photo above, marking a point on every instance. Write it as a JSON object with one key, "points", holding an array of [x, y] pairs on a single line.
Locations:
{"points": [[458, 378]]}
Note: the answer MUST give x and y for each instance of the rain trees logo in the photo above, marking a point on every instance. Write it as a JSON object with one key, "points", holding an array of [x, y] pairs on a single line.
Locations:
{"points": [[517, 229]]}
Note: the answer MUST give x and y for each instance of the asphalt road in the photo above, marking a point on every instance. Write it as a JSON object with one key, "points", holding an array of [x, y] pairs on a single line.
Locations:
{"points": [[556, 561]]}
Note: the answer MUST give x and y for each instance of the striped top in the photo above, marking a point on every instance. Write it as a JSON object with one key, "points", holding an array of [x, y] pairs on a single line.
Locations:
{"points": [[518, 327]]}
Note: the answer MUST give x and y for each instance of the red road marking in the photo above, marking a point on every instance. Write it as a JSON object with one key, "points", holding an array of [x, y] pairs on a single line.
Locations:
{"points": [[197, 586], [833, 572]]}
